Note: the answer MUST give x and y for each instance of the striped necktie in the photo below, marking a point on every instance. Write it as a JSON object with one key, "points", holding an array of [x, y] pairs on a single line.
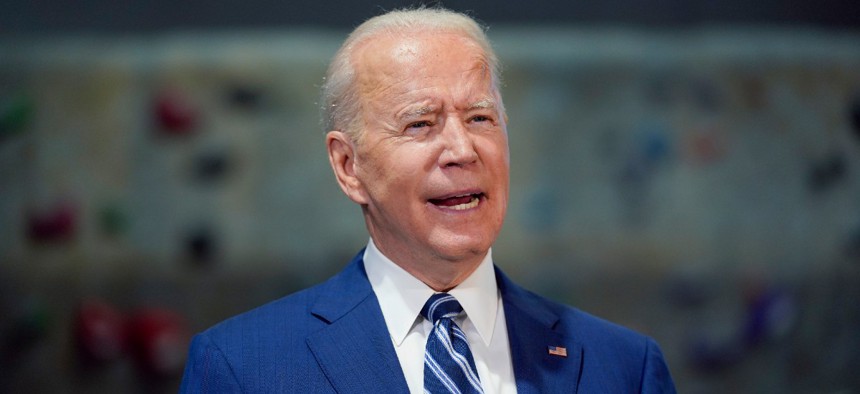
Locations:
{"points": [[448, 363]]}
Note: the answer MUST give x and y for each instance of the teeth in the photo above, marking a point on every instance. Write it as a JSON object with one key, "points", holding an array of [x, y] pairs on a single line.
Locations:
{"points": [[469, 205]]}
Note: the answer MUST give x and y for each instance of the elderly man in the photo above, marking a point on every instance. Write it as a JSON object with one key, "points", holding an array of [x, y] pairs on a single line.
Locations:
{"points": [[418, 140]]}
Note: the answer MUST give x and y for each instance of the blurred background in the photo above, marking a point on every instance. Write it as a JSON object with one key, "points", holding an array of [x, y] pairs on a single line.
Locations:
{"points": [[690, 169]]}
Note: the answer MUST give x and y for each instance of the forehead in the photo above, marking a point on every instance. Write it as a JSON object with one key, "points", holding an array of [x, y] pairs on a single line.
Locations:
{"points": [[391, 59]]}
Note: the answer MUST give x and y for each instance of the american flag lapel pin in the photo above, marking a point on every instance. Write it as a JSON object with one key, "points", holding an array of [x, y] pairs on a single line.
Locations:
{"points": [[557, 351]]}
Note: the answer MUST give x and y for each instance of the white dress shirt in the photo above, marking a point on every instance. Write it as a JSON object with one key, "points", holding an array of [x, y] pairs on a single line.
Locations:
{"points": [[401, 297]]}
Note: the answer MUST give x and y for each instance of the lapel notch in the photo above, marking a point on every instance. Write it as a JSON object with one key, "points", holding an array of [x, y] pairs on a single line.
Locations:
{"points": [[531, 332], [354, 349]]}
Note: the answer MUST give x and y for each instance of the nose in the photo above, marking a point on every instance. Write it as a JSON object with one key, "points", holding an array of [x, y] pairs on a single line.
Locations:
{"points": [[459, 148]]}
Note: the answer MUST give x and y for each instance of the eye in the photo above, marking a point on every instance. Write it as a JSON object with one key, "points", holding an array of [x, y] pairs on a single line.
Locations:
{"points": [[480, 118], [419, 125]]}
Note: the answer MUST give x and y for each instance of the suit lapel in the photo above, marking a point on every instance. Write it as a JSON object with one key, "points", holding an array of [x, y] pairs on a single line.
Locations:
{"points": [[354, 350], [530, 324]]}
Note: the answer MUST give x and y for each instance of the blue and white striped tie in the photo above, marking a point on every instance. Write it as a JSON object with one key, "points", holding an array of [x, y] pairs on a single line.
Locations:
{"points": [[448, 363]]}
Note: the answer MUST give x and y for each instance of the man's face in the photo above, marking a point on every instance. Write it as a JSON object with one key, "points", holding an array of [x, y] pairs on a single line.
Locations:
{"points": [[433, 160]]}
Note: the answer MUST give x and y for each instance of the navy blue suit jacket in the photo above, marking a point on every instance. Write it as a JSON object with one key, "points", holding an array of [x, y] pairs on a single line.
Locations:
{"points": [[332, 338]]}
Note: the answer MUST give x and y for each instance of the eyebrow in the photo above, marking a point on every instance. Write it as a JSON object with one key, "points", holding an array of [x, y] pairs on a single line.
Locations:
{"points": [[484, 103], [417, 112]]}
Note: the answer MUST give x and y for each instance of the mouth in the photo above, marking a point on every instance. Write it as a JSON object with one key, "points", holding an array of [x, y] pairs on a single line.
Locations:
{"points": [[460, 202]]}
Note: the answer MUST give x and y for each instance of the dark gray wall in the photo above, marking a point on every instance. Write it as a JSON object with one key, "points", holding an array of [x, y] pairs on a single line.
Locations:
{"points": [[135, 16]]}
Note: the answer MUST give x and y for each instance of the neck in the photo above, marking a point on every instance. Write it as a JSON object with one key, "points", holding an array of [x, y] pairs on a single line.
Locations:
{"points": [[441, 282], [439, 274]]}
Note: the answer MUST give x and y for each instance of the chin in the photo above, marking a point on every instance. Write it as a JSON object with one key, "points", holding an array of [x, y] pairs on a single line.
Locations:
{"points": [[457, 248]]}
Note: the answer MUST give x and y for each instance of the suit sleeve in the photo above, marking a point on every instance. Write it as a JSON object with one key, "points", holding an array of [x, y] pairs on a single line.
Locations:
{"points": [[207, 370], [655, 374]]}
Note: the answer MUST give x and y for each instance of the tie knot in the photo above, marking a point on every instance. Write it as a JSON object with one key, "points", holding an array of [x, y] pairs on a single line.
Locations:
{"points": [[441, 305]]}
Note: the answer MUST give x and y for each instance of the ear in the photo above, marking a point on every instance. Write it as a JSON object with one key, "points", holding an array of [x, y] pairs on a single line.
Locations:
{"points": [[341, 155]]}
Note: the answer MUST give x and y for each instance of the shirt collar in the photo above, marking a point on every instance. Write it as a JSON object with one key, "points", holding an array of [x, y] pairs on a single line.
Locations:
{"points": [[401, 295]]}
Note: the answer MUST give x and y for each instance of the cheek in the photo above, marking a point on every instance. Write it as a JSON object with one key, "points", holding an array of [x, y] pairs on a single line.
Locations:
{"points": [[496, 154], [370, 172], [383, 176]]}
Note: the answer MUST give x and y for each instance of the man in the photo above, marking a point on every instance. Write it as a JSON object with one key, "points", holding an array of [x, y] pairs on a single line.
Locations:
{"points": [[418, 139]]}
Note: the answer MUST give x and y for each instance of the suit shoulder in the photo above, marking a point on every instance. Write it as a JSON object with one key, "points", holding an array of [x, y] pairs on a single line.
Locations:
{"points": [[269, 340], [272, 316], [289, 318], [590, 328], [638, 360], [587, 324]]}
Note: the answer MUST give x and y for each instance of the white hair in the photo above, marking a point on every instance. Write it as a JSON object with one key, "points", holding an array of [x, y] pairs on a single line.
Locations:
{"points": [[340, 100]]}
